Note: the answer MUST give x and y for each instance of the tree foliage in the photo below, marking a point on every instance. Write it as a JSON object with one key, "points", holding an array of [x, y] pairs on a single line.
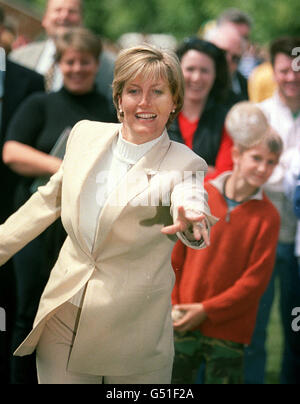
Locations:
{"points": [[112, 18]]}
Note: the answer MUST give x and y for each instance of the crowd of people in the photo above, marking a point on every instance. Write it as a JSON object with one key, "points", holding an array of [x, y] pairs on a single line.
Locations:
{"points": [[181, 292]]}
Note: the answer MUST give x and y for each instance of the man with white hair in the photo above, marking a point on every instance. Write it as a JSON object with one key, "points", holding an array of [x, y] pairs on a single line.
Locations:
{"points": [[241, 21]]}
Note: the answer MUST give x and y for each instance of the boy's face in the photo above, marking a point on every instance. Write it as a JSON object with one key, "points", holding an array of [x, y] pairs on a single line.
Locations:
{"points": [[255, 165]]}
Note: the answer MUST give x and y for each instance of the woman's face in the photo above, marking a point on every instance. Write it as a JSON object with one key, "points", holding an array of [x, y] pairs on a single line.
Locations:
{"points": [[199, 75], [79, 70], [146, 105]]}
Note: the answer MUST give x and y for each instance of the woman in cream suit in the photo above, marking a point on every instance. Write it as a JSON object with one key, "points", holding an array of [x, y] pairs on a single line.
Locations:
{"points": [[123, 192]]}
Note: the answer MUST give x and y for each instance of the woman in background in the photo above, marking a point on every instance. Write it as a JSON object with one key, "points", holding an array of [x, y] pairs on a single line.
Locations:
{"points": [[200, 124]]}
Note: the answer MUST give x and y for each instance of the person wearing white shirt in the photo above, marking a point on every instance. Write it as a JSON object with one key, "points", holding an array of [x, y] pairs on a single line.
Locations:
{"points": [[283, 113], [46, 63], [39, 56], [291, 182]]}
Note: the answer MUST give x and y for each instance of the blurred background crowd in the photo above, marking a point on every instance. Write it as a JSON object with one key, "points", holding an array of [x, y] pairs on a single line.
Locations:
{"points": [[46, 101]]}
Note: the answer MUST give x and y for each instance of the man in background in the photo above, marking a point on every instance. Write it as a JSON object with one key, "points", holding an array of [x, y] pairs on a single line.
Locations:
{"points": [[58, 17], [283, 113], [241, 21], [228, 38], [258, 71]]}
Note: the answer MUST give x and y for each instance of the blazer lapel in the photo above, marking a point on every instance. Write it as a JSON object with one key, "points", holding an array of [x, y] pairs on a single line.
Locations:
{"points": [[94, 148], [135, 182]]}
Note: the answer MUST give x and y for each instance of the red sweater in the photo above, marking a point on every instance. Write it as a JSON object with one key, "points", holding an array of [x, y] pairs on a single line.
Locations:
{"points": [[230, 276]]}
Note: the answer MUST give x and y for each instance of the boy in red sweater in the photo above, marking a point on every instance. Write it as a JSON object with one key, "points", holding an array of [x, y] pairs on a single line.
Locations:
{"points": [[217, 290]]}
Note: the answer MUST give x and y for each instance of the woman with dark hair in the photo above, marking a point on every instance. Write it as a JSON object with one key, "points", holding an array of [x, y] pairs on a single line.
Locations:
{"points": [[200, 124]]}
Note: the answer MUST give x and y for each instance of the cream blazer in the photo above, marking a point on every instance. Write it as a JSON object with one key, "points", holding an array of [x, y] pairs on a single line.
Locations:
{"points": [[125, 325]]}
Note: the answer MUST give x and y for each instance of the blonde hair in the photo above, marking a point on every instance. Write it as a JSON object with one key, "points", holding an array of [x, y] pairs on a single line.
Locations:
{"points": [[151, 63], [248, 126], [79, 38]]}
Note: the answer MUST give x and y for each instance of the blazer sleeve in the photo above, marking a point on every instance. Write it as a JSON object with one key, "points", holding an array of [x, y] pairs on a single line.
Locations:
{"points": [[38, 213], [190, 194]]}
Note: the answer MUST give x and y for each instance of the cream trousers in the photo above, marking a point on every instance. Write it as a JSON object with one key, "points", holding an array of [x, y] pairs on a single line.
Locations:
{"points": [[54, 349]]}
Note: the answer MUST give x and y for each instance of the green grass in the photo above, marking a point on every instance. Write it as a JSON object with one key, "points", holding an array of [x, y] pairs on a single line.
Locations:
{"points": [[274, 344]]}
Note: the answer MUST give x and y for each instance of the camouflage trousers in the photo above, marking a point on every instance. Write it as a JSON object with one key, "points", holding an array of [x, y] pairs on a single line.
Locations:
{"points": [[223, 360]]}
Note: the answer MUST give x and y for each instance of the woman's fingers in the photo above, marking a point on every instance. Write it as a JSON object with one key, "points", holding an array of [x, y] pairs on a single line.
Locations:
{"points": [[186, 219], [200, 231], [173, 229]]}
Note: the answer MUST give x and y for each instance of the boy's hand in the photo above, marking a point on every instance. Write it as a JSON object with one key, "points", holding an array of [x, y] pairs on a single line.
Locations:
{"points": [[186, 219], [193, 316]]}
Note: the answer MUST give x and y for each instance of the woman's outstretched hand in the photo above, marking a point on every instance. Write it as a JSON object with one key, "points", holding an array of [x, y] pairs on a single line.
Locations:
{"points": [[188, 219]]}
